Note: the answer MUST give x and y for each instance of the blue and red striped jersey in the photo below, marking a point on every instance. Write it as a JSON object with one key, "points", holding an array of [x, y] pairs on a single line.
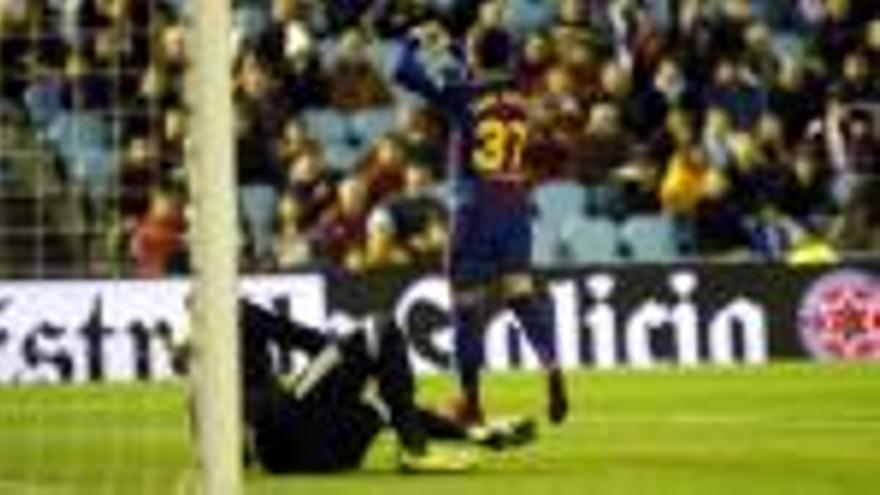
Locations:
{"points": [[489, 123]]}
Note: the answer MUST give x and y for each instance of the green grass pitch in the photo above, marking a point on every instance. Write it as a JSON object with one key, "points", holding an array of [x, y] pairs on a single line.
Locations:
{"points": [[783, 429]]}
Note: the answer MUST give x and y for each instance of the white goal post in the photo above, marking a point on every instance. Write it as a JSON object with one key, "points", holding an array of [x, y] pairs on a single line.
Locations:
{"points": [[214, 247]]}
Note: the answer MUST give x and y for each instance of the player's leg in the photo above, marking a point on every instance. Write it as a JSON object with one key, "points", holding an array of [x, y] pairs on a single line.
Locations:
{"points": [[533, 308], [321, 423], [292, 435], [469, 269], [494, 434], [385, 348], [266, 406], [316, 425], [468, 313], [535, 311]]}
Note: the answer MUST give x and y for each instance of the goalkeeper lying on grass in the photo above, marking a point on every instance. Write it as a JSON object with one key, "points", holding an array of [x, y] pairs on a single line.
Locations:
{"points": [[325, 421]]}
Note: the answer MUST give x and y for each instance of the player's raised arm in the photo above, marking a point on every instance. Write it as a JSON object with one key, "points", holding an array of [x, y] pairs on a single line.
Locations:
{"points": [[426, 61]]}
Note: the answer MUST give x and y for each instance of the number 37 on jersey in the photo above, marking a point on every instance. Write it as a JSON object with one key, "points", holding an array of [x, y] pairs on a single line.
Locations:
{"points": [[501, 133]]}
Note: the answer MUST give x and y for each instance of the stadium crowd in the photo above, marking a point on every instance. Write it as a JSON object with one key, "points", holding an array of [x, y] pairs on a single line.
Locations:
{"points": [[662, 129]]}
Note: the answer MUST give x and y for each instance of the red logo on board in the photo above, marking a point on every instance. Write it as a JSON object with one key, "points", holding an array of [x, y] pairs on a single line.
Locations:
{"points": [[840, 316]]}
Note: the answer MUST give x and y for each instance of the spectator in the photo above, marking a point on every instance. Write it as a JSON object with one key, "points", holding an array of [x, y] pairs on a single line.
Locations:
{"points": [[291, 247], [573, 14], [294, 142], [858, 84], [638, 181], [171, 144], [759, 57], [716, 138], [725, 85], [259, 119], [537, 58], [311, 185], [289, 46], [410, 228], [341, 234], [383, 169], [559, 120], [421, 132], [872, 42], [807, 197], [604, 147], [584, 69], [836, 33], [157, 244], [860, 221], [688, 180], [669, 91], [736, 90], [786, 99], [140, 176], [393, 18], [355, 83]]}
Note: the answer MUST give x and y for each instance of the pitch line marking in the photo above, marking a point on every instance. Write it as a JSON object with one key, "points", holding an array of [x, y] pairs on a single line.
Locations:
{"points": [[30, 488], [698, 419]]}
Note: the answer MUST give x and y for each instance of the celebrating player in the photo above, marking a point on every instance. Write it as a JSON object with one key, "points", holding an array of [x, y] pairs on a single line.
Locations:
{"points": [[491, 233], [326, 419]]}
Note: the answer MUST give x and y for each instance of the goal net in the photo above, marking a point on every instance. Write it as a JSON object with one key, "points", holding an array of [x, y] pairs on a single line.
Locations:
{"points": [[115, 172]]}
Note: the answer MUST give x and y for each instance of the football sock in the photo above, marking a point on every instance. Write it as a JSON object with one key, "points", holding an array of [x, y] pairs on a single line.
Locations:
{"points": [[535, 312], [468, 353]]}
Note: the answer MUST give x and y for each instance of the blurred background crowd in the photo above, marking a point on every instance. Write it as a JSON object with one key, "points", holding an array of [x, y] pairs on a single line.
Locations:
{"points": [[662, 130]]}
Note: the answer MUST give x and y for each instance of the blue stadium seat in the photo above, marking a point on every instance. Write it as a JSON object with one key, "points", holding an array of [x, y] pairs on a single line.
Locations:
{"points": [[250, 22], [326, 50], [652, 238], [546, 245], [83, 142], [329, 126], [369, 125], [43, 102], [529, 15], [603, 200], [443, 6], [342, 157], [590, 240], [559, 199]]}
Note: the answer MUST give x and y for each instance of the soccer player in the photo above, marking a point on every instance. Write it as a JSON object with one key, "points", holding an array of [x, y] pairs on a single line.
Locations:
{"points": [[325, 420], [491, 232]]}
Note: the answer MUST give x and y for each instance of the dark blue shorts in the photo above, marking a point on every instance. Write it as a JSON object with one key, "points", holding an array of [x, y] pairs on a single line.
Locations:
{"points": [[489, 240]]}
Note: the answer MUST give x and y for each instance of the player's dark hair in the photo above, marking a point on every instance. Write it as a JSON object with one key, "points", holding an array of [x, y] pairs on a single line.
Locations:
{"points": [[494, 49]]}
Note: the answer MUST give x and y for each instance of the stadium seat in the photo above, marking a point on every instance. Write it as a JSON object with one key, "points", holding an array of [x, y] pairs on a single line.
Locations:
{"points": [[651, 238], [602, 200], [528, 15], [444, 6], [250, 22], [329, 126], [43, 101], [546, 245], [590, 240], [342, 157], [369, 125], [559, 199], [83, 142]]}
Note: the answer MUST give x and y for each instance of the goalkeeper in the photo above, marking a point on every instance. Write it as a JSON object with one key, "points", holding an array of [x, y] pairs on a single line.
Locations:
{"points": [[325, 420]]}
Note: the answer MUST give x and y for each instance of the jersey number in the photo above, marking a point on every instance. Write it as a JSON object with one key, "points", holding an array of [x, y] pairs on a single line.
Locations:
{"points": [[500, 145]]}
